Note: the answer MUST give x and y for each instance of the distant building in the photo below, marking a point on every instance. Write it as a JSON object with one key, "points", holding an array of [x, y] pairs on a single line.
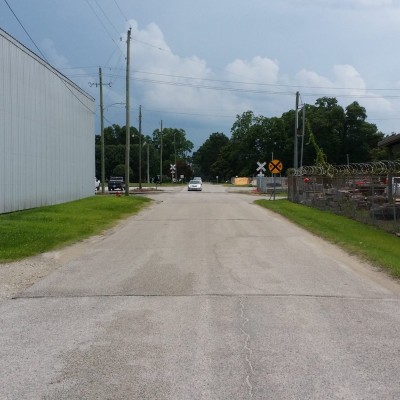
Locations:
{"points": [[46, 132], [391, 143]]}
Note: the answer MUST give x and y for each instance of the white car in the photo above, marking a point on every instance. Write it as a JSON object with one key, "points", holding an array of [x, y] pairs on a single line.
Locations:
{"points": [[195, 185]]}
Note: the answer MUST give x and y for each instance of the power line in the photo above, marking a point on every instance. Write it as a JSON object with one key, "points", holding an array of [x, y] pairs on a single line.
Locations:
{"points": [[263, 83], [106, 17], [188, 113], [22, 26], [151, 45], [364, 95], [101, 22], [119, 8], [44, 58]]}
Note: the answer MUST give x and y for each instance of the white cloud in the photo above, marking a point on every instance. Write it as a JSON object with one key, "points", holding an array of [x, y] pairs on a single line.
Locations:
{"points": [[190, 89], [53, 57], [261, 70], [347, 86], [62, 64]]}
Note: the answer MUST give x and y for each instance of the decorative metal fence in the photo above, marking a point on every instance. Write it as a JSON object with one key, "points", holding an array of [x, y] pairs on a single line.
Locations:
{"points": [[367, 192]]}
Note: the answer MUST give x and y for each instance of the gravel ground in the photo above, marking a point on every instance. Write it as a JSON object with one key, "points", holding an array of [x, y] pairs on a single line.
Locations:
{"points": [[19, 275]]}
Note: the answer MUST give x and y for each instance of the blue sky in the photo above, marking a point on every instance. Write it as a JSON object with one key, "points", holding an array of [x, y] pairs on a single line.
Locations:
{"points": [[196, 65]]}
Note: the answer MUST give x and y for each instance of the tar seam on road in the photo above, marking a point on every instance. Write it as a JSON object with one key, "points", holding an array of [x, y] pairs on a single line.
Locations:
{"points": [[241, 295]]}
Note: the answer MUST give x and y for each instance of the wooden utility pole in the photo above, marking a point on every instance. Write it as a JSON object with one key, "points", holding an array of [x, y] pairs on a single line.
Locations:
{"points": [[103, 169], [303, 132], [161, 153], [148, 165], [102, 161], [176, 167], [140, 147], [128, 130], [296, 128]]}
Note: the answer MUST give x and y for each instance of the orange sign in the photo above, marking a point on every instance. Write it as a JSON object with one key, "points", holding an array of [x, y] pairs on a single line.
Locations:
{"points": [[275, 166]]}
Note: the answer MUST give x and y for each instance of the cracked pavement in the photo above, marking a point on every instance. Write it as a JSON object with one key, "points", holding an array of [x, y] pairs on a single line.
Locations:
{"points": [[202, 295]]}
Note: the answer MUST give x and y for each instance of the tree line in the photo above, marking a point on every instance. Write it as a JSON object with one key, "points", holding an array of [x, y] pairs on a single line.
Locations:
{"points": [[343, 134], [175, 146]]}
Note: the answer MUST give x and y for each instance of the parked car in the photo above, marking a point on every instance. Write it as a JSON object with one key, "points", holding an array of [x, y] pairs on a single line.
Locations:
{"points": [[195, 185], [116, 182]]}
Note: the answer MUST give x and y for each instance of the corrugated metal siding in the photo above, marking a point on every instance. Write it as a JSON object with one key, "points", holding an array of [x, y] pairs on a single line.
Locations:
{"points": [[46, 133]]}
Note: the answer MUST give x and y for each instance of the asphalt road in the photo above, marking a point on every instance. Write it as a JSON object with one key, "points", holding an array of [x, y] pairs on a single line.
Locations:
{"points": [[204, 295]]}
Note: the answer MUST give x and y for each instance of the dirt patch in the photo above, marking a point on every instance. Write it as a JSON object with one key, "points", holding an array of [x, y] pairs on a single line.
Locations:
{"points": [[18, 275]]}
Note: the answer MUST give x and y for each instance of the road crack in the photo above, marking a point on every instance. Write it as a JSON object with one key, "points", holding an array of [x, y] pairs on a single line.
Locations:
{"points": [[246, 347]]}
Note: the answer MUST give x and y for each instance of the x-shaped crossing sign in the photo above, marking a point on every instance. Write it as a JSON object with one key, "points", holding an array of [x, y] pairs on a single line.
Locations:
{"points": [[275, 166], [261, 166]]}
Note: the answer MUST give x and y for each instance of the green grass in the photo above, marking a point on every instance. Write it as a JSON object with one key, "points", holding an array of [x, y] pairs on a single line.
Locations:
{"points": [[369, 243], [27, 233]]}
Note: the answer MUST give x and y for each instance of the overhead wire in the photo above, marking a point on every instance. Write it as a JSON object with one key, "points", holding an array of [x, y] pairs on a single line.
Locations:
{"points": [[254, 90], [119, 8], [106, 17], [294, 87], [45, 59], [102, 23], [22, 26], [202, 79]]}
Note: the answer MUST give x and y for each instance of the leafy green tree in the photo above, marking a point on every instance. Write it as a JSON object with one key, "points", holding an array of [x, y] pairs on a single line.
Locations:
{"points": [[174, 144], [338, 133], [208, 153], [254, 138], [244, 145], [326, 120], [361, 138]]}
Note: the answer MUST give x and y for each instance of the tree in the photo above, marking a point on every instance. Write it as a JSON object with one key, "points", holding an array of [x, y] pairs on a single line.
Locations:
{"points": [[208, 153], [174, 144], [326, 121], [361, 137], [254, 138]]}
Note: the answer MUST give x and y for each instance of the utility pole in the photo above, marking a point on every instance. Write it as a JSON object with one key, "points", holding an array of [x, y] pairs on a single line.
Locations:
{"points": [[161, 153], [176, 167], [128, 130], [303, 132], [148, 166], [296, 128], [140, 147], [103, 174]]}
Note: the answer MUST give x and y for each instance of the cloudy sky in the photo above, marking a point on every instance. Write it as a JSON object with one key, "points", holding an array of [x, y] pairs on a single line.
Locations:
{"points": [[196, 65]]}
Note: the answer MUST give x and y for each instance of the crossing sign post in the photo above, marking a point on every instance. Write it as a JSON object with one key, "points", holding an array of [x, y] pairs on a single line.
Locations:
{"points": [[275, 166], [173, 170], [261, 168]]}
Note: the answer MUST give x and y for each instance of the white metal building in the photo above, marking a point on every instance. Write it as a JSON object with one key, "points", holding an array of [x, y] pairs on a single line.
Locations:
{"points": [[46, 132]]}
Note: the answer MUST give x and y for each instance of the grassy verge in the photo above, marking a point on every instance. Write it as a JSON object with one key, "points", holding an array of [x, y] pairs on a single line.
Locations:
{"points": [[369, 243], [27, 233]]}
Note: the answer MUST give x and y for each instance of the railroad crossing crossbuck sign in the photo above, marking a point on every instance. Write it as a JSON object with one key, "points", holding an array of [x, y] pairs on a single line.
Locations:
{"points": [[260, 168], [275, 166]]}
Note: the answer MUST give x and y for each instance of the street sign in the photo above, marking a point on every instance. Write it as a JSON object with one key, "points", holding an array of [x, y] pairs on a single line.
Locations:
{"points": [[260, 167], [275, 166], [172, 167]]}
